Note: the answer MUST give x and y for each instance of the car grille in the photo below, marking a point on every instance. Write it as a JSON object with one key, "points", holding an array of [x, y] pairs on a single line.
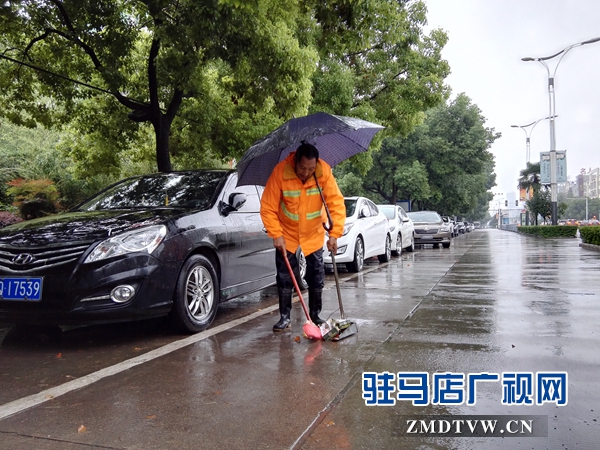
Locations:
{"points": [[430, 231], [26, 259]]}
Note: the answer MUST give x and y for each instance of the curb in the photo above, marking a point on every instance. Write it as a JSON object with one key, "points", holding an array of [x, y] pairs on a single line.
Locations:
{"points": [[590, 246]]}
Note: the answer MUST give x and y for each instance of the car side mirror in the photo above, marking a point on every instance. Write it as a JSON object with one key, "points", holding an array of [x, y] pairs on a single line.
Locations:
{"points": [[405, 219], [236, 201], [364, 212]]}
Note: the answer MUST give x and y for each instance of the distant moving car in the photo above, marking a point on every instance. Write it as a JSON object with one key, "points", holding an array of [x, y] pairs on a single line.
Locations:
{"points": [[401, 228], [430, 228], [366, 234], [162, 244]]}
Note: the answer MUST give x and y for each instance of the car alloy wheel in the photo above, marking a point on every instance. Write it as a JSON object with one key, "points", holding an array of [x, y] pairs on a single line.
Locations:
{"points": [[387, 255], [411, 247], [300, 272], [359, 256], [398, 250], [197, 295]]}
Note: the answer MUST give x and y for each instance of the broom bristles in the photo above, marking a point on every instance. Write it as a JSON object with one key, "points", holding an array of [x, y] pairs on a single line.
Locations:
{"points": [[312, 331]]}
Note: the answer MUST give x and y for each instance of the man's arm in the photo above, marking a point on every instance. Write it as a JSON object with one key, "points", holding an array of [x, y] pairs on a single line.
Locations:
{"points": [[269, 208], [335, 203]]}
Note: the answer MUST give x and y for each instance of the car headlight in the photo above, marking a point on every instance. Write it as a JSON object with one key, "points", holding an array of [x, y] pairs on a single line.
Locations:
{"points": [[445, 228], [347, 228], [141, 240]]}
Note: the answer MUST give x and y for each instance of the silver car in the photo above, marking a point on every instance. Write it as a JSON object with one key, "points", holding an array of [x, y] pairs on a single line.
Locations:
{"points": [[430, 228]]}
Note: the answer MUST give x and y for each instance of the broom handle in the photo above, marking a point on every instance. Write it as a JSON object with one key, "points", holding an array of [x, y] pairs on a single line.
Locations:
{"points": [[335, 272], [287, 263]]}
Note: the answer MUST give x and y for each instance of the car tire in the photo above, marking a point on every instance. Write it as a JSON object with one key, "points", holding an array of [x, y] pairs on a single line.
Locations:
{"points": [[300, 270], [388, 250], [411, 247], [359, 257], [446, 245], [196, 295], [398, 250]]}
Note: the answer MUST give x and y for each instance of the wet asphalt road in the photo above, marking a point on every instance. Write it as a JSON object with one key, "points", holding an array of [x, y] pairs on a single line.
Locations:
{"points": [[494, 302]]}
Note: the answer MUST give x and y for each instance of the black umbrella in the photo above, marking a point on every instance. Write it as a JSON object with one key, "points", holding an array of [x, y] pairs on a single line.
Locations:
{"points": [[336, 137]]}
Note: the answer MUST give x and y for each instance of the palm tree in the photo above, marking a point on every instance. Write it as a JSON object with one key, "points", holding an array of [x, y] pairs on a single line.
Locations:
{"points": [[530, 179]]}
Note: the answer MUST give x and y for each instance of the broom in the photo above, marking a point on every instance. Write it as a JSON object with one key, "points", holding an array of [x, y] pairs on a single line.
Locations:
{"points": [[311, 331]]}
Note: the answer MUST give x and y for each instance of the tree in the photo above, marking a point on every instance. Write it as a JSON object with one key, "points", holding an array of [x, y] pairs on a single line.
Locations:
{"points": [[206, 79], [530, 181], [443, 165], [160, 61], [540, 204]]}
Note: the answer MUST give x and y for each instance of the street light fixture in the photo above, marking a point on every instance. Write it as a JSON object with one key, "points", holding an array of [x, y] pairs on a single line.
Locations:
{"points": [[528, 134], [552, 107]]}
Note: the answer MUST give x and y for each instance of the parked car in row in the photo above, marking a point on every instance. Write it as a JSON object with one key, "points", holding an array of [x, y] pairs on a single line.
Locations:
{"points": [[162, 244], [430, 228], [366, 234], [452, 224], [401, 228]]}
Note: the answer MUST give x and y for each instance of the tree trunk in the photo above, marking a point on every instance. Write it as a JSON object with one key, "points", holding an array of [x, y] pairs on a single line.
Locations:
{"points": [[163, 157]]}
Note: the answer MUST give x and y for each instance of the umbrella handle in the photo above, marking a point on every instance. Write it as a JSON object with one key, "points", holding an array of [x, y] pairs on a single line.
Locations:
{"points": [[330, 227]]}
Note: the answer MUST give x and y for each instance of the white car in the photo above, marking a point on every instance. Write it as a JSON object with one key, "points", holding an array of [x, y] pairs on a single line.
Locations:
{"points": [[366, 234], [401, 228]]}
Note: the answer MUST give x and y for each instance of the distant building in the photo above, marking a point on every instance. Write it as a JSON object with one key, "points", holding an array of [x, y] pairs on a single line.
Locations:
{"points": [[588, 183]]}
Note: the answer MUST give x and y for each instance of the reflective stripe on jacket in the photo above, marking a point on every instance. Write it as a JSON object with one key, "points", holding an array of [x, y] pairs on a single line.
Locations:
{"points": [[295, 210]]}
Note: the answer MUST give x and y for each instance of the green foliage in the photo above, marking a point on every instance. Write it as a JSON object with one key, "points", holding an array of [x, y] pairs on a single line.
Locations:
{"points": [[540, 203], [34, 198], [195, 83], [530, 177], [590, 235], [351, 185], [576, 208], [443, 165], [549, 230]]}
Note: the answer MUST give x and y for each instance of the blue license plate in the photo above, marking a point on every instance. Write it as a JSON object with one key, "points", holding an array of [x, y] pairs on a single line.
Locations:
{"points": [[21, 289]]}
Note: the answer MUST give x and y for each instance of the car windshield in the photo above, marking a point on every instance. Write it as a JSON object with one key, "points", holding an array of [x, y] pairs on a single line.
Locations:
{"points": [[192, 190], [424, 216], [350, 206], [388, 211]]}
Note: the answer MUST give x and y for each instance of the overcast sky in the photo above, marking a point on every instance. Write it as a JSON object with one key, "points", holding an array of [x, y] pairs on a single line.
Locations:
{"points": [[488, 38]]}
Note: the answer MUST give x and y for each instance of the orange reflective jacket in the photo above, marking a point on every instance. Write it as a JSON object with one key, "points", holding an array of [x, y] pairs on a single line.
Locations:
{"points": [[294, 210]]}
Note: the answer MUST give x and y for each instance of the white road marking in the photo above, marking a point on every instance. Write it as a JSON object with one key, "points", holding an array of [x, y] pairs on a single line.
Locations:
{"points": [[22, 404]]}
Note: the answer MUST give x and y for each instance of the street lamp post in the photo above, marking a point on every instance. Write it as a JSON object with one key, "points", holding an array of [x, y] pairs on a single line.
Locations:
{"points": [[528, 151], [528, 135], [552, 108]]}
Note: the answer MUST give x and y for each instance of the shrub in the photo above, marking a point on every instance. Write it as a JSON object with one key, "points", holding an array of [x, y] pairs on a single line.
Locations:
{"points": [[34, 198], [8, 218], [590, 235], [550, 230]]}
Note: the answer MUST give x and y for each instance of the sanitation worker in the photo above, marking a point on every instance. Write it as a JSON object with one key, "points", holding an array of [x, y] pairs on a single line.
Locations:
{"points": [[293, 214]]}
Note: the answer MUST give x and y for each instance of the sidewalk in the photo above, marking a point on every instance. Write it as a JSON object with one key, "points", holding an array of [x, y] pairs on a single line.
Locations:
{"points": [[494, 302]]}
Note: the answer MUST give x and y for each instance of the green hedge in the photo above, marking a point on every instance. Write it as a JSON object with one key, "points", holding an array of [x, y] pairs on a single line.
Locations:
{"points": [[550, 230], [590, 235]]}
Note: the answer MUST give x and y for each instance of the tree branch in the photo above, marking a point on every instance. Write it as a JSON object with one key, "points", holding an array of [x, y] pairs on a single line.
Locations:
{"points": [[74, 38]]}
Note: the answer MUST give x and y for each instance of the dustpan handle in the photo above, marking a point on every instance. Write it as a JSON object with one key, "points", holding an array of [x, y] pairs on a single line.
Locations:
{"points": [[329, 228]]}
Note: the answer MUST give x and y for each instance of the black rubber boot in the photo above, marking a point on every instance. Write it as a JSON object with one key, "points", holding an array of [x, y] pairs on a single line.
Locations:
{"points": [[315, 303], [285, 308]]}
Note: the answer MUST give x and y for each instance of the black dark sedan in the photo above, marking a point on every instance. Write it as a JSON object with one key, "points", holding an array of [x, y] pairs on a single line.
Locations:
{"points": [[167, 243]]}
